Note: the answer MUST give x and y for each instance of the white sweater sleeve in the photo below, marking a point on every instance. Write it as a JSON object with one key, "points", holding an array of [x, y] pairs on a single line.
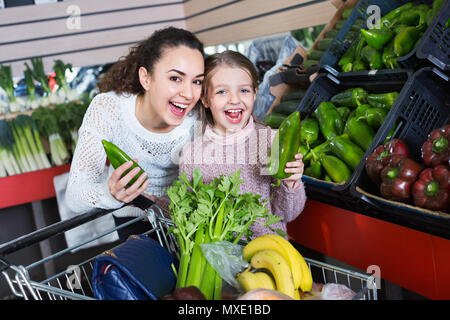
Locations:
{"points": [[87, 187]]}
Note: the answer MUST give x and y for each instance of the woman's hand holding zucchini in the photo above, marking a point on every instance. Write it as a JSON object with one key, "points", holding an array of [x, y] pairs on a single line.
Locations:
{"points": [[118, 182]]}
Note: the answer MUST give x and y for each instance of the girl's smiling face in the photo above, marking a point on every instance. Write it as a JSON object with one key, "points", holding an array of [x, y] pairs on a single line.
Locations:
{"points": [[230, 98], [172, 89]]}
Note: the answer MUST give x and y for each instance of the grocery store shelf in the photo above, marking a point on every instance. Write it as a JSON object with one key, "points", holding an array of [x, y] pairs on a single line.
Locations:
{"points": [[432, 225], [29, 187]]}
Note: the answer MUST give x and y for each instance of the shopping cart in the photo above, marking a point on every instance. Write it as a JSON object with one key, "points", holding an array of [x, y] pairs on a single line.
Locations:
{"points": [[74, 283]]}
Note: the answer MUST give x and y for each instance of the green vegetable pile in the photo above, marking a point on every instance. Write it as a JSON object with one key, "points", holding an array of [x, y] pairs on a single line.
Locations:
{"points": [[334, 138], [54, 118], [398, 33], [204, 213]]}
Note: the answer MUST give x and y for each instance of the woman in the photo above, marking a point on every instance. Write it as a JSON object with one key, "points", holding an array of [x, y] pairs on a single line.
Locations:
{"points": [[145, 107]]}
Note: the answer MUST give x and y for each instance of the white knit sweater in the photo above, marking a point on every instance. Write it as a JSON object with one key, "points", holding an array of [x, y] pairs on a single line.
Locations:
{"points": [[112, 117]]}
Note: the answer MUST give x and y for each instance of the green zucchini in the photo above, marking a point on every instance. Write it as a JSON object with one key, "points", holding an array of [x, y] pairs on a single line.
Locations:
{"points": [[286, 107], [294, 95], [274, 120], [324, 44], [310, 63], [315, 54], [332, 33]]}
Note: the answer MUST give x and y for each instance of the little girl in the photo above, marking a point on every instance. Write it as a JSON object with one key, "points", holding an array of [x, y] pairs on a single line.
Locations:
{"points": [[231, 139]]}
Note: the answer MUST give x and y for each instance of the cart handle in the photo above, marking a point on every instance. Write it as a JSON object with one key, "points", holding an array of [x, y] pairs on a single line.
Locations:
{"points": [[64, 225]]}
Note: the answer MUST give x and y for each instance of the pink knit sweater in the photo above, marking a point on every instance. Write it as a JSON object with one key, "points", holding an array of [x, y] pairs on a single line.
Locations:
{"points": [[248, 150]]}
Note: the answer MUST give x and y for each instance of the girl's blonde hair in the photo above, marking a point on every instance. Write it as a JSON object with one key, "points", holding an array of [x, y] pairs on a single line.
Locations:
{"points": [[228, 58]]}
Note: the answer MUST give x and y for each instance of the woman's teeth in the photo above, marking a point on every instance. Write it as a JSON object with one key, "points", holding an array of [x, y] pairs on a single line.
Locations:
{"points": [[178, 108]]}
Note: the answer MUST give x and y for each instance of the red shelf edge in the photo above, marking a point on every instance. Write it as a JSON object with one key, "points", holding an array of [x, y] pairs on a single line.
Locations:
{"points": [[29, 187]]}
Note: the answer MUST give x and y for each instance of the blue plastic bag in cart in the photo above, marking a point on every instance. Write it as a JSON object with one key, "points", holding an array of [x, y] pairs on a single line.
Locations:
{"points": [[138, 269]]}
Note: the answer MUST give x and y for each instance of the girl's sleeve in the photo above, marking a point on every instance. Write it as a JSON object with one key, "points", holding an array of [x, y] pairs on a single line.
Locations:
{"points": [[288, 203], [87, 187]]}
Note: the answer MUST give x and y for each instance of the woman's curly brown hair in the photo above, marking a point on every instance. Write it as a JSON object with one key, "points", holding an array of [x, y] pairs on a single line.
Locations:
{"points": [[123, 76]]}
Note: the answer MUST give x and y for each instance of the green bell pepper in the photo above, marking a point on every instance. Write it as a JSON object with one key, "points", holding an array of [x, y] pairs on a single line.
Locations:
{"points": [[348, 67], [349, 56], [415, 16], [346, 150], [330, 122], [389, 19], [361, 110], [377, 38], [352, 97], [382, 100], [316, 152], [304, 150], [405, 41], [309, 131], [372, 57], [399, 28], [284, 146], [314, 170], [337, 170], [389, 57], [344, 113], [359, 65], [360, 132], [375, 117]]}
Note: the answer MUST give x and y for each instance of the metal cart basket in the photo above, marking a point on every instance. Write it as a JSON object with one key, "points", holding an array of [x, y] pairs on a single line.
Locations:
{"points": [[74, 283]]}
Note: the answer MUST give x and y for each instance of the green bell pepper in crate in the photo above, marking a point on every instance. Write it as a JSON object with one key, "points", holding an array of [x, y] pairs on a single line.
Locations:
{"points": [[377, 38], [382, 100], [352, 97], [346, 150], [330, 121], [360, 132], [373, 57]]}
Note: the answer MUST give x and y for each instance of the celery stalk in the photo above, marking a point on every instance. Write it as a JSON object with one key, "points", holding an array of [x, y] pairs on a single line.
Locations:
{"points": [[197, 260]]}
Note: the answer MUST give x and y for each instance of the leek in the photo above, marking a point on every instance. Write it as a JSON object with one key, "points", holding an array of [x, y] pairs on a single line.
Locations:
{"points": [[63, 92], [6, 82], [33, 101], [7, 143], [48, 127]]}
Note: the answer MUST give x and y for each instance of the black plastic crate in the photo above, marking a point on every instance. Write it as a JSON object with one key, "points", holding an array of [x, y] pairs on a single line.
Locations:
{"points": [[435, 43], [338, 46], [422, 106], [327, 85]]}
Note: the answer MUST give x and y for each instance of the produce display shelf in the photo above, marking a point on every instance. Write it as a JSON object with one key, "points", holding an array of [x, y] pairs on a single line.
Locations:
{"points": [[409, 61], [30, 186]]}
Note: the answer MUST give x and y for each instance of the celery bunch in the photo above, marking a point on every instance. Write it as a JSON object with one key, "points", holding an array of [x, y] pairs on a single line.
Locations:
{"points": [[204, 213]]}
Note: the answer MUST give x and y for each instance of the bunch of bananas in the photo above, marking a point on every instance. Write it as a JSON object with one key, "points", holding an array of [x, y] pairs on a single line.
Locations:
{"points": [[275, 264]]}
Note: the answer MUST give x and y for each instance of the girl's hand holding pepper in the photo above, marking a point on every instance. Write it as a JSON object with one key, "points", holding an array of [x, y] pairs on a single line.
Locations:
{"points": [[296, 168], [117, 184]]}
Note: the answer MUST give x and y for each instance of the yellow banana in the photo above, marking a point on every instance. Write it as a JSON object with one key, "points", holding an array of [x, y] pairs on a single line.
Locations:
{"points": [[255, 280], [296, 262], [272, 242], [279, 268]]}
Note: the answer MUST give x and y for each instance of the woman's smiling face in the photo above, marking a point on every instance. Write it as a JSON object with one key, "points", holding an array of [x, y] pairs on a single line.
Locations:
{"points": [[174, 86], [230, 98]]}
